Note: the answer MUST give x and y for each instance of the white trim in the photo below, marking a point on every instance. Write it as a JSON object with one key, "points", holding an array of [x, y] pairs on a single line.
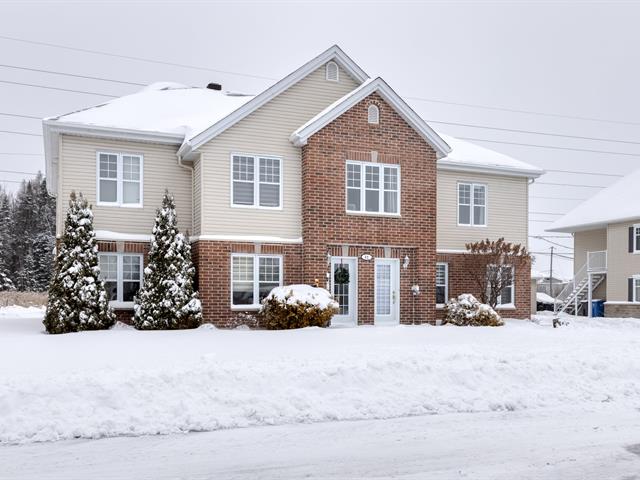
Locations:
{"points": [[333, 53], [394, 316], [120, 180], [636, 247], [256, 278], [363, 189], [246, 238], [107, 235], [472, 204], [326, 72], [119, 302], [457, 166], [353, 288], [300, 137], [446, 283], [511, 305], [450, 250], [620, 302], [256, 181]]}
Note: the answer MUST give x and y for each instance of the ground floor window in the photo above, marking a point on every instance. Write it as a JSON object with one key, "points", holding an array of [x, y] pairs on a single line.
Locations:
{"points": [[122, 275], [253, 277], [442, 283], [507, 295]]}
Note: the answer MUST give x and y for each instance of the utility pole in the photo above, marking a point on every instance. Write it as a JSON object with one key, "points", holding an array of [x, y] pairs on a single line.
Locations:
{"points": [[555, 319]]}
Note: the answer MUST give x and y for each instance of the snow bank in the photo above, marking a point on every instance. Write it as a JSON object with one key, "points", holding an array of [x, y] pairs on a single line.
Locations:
{"points": [[124, 382], [303, 294]]}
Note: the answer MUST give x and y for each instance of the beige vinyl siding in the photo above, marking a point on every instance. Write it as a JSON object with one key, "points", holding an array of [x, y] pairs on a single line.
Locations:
{"points": [[589, 241], [621, 264], [197, 196], [265, 132], [160, 171], [507, 210]]}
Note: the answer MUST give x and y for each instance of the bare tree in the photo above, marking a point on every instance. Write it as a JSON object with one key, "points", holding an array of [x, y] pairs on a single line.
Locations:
{"points": [[491, 265]]}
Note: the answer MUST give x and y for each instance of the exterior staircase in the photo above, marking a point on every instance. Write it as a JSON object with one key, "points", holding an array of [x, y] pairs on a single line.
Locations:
{"points": [[585, 281]]}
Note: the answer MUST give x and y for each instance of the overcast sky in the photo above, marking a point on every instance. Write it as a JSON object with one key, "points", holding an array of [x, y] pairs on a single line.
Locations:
{"points": [[574, 59]]}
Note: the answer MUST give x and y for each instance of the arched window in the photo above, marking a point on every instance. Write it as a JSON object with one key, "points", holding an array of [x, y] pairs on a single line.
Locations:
{"points": [[332, 71], [373, 114]]}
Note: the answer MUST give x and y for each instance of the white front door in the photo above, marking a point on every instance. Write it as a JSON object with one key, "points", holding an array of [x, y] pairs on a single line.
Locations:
{"points": [[387, 291], [344, 287]]}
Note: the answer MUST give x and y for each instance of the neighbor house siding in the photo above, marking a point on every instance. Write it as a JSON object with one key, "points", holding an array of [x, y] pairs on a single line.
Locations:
{"points": [[507, 210], [265, 131], [621, 263], [197, 196], [160, 172], [589, 241]]}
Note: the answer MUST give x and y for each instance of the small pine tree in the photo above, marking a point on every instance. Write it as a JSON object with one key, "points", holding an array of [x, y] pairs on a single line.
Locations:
{"points": [[5, 281], [167, 299], [77, 297]]}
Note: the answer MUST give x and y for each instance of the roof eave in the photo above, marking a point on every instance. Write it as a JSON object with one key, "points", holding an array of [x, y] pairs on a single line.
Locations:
{"points": [[444, 164]]}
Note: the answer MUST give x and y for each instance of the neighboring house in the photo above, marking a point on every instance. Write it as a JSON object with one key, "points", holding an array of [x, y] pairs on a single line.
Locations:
{"points": [[551, 286], [327, 177], [606, 232]]}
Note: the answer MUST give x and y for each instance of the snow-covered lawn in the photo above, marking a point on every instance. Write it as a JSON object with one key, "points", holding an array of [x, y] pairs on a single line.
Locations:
{"points": [[124, 382]]}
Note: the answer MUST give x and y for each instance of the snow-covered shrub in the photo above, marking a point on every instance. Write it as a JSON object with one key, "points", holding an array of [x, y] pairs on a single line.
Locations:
{"points": [[167, 299], [77, 297], [297, 306], [466, 310], [5, 282], [242, 320]]}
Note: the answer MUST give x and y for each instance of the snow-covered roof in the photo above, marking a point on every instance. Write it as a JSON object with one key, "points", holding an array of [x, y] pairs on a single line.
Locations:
{"points": [[616, 203], [163, 107], [545, 298], [469, 156]]}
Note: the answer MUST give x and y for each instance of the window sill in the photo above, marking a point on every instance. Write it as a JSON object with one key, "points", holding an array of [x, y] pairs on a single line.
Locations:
{"points": [[509, 306], [121, 305], [256, 207], [119, 205], [374, 214], [472, 226], [245, 308], [440, 306]]}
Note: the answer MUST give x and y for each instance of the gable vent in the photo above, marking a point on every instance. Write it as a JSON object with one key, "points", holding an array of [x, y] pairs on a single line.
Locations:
{"points": [[373, 114], [332, 71]]}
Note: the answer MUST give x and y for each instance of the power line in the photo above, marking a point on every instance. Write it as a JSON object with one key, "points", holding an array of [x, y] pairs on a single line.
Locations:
{"points": [[533, 132], [570, 185], [551, 147], [553, 243], [541, 221], [130, 57], [12, 181], [546, 213], [15, 171], [19, 115], [75, 75], [550, 236], [528, 112], [21, 153], [557, 198], [21, 133], [585, 173], [57, 88]]}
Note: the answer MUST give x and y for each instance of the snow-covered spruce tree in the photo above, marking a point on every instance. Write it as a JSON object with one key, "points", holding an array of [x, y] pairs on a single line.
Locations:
{"points": [[39, 261], [167, 299], [77, 297]]}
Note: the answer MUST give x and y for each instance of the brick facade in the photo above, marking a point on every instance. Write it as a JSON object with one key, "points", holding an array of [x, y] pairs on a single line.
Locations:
{"points": [[461, 281], [328, 230]]}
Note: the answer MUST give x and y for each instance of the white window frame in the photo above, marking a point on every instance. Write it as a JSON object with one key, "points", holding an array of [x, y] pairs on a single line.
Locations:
{"points": [[119, 180], [636, 233], [472, 204], [446, 283], [636, 281], [256, 278], [256, 181], [512, 304], [326, 72], [119, 302], [363, 189]]}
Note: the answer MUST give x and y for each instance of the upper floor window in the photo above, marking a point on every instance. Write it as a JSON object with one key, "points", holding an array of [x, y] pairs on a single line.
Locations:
{"points": [[122, 275], [119, 179], [373, 188], [373, 114], [442, 283], [253, 277], [257, 181], [634, 242], [472, 204], [332, 72]]}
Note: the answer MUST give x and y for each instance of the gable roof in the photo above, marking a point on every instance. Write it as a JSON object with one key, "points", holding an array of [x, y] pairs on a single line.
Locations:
{"points": [[616, 203], [378, 85], [334, 53]]}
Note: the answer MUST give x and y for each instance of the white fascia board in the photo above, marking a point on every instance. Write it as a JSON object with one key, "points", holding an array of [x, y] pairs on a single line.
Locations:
{"points": [[107, 235], [590, 226], [334, 53], [452, 165], [300, 137], [246, 238]]}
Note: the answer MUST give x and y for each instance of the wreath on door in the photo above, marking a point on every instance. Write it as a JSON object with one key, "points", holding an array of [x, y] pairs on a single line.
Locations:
{"points": [[341, 275]]}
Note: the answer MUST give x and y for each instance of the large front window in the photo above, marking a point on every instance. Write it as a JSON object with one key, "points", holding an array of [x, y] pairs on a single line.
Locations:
{"points": [[373, 188], [257, 181], [253, 277], [119, 179], [122, 275], [472, 204]]}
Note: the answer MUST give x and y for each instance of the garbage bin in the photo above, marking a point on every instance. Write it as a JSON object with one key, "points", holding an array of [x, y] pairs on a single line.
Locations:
{"points": [[597, 308]]}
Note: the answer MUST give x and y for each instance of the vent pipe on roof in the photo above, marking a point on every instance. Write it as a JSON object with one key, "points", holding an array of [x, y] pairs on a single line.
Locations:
{"points": [[214, 86]]}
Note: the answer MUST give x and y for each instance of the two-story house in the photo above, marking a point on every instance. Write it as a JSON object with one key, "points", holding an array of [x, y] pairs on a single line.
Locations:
{"points": [[327, 177], [606, 246]]}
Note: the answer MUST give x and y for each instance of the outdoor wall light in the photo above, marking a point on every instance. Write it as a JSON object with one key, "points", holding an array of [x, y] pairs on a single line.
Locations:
{"points": [[405, 264]]}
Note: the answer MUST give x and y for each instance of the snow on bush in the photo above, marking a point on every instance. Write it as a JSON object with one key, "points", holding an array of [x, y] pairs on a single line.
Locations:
{"points": [[466, 310], [167, 299], [77, 297], [297, 306]]}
